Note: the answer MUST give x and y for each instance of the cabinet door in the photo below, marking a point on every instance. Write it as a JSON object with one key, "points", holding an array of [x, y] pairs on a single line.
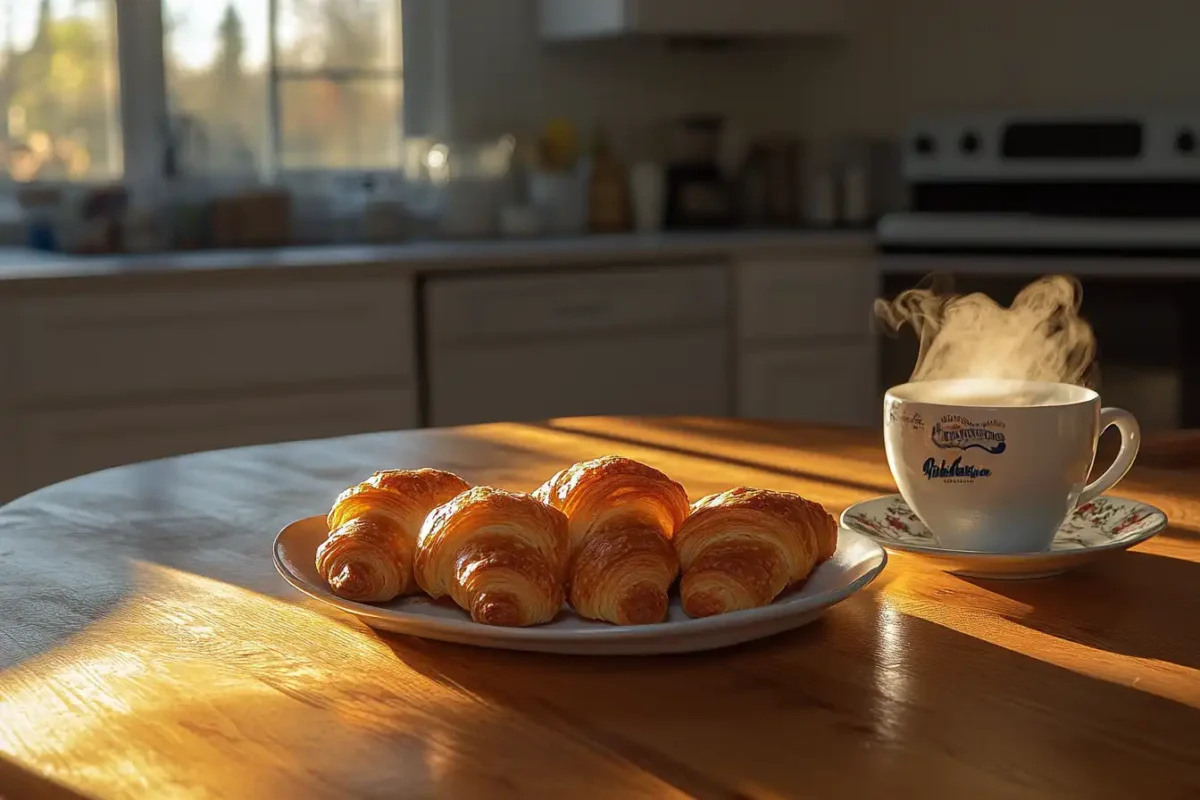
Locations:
{"points": [[576, 303], [818, 300], [826, 385], [55, 445], [123, 346], [667, 373]]}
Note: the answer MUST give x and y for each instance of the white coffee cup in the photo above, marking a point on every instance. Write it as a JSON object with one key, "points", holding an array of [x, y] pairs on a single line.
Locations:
{"points": [[997, 465]]}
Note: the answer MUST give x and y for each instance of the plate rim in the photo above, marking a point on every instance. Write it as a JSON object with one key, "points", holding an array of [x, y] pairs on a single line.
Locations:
{"points": [[433, 627], [904, 547]]}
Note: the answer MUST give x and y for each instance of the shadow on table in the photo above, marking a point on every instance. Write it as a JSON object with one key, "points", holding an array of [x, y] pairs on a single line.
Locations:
{"points": [[1094, 606], [18, 783], [868, 697]]}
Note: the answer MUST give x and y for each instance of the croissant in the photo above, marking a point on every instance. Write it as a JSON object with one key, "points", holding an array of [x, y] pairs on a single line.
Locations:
{"points": [[499, 555], [622, 516], [739, 549], [368, 556]]}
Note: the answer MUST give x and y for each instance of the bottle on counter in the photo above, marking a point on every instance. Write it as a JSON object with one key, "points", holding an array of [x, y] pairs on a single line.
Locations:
{"points": [[647, 181], [820, 207], [754, 190], [609, 207]]}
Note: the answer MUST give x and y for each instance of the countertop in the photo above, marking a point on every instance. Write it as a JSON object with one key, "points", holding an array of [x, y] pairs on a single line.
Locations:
{"points": [[149, 649], [20, 264], [32, 268]]}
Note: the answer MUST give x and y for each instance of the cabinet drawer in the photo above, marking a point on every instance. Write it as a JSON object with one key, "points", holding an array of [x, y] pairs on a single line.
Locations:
{"points": [[487, 309], [671, 373], [828, 385], [139, 343], [798, 300], [53, 446]]}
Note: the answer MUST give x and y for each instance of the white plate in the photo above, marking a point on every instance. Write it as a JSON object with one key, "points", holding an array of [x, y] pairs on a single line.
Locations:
{"points": [[1105, 525], [855, 564]]}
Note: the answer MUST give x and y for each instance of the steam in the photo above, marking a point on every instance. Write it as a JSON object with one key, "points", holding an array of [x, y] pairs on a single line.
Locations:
{"points": [[1040, 337]]}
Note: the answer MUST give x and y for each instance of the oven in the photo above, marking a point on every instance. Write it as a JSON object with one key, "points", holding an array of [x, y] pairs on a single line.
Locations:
{"points": [[998, 200]]}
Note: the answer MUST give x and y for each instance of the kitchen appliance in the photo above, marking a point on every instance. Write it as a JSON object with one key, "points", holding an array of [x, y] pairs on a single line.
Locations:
{"points": [[699, 194], [566, 20], [998, 199]]}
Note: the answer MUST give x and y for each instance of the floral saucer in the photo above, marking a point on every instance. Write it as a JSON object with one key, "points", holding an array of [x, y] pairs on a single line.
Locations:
{"points": [[1104, 525]]}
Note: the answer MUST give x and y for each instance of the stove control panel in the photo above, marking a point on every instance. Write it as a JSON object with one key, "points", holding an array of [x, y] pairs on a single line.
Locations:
{"points": [[1042, 147]]}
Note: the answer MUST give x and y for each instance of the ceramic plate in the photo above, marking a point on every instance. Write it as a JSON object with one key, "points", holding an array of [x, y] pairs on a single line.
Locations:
{"points": [[1104, 525], [855, 564]]}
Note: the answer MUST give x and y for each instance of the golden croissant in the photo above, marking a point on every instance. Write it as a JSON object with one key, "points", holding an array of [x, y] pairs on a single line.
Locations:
{"points": [[739, 549], [499, 555], [622, 516], [368, 556]]}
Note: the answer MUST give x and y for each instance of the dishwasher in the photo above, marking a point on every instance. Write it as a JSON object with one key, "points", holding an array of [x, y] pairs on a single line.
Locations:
{"points": [[618, 341]]}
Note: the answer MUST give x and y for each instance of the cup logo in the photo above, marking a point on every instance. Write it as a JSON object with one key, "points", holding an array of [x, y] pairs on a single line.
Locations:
{"points": [[954, 432], [954, 472]]}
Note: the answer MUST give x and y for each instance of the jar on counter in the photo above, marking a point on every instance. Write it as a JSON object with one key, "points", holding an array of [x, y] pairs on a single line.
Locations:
{"points": [[819, 186]]}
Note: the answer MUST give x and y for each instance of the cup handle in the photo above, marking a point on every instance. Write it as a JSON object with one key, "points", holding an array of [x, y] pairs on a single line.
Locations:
{"points": [[1131, 438]]}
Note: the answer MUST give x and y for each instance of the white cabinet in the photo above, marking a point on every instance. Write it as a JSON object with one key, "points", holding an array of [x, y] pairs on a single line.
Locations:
{"points": [[165, 341], [661, 373], [94, 376], [806, 347], [621, 341], [806, 299], [830, 384], [55, 445]]}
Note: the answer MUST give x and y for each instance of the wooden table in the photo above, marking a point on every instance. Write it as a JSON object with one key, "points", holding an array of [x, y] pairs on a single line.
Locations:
{"points": [[148, 649]]}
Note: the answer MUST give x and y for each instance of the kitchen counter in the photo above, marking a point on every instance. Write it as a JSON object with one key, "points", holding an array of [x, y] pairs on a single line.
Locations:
{"points": [[18, 265], [112, 360], [23, 266]]}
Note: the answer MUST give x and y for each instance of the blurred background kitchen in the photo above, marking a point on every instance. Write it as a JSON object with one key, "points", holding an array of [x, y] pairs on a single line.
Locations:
{"points": [[229, 222]]}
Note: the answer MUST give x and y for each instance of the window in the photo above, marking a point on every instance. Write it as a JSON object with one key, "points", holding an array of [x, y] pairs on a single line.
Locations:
{"points": [[273, 85], [59, 118]]}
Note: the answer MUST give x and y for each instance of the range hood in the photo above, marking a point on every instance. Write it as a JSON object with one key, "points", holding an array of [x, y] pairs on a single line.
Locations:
{"points": [[567, 20]]}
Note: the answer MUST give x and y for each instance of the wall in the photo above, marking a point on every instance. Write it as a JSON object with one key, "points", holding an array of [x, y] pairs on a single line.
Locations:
{"points": [[916, 57], [502, 77], [905, 58]]}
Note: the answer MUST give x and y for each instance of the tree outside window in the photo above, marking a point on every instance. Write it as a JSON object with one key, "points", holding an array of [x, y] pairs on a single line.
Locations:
{"points": [[59, 118]]}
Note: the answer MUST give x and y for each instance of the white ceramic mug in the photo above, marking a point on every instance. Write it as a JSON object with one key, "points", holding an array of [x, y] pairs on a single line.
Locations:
{"points": [[997, 465]]}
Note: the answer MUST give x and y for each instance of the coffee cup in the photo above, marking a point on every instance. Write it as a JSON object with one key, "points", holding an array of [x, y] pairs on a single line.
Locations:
{"points": [[996, 466]]}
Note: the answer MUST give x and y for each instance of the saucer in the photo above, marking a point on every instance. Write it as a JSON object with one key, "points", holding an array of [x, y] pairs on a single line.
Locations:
{"points": [[1105, 525]]}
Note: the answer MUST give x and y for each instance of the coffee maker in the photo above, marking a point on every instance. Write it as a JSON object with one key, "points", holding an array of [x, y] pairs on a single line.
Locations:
{"points": [[697, 192]]}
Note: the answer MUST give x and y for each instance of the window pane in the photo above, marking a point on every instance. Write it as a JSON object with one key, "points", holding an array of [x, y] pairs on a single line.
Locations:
{"points": [[339, 34], [342, 124], [218, 82], [59, 118], [216, 60]]}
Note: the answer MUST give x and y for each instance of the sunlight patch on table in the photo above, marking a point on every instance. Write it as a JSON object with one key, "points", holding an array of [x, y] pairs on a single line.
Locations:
{"points": [[168, 690], [994, 619]]}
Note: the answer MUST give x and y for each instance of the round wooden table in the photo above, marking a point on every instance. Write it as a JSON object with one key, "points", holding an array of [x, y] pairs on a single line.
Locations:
{"points": [[148, 649]]}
